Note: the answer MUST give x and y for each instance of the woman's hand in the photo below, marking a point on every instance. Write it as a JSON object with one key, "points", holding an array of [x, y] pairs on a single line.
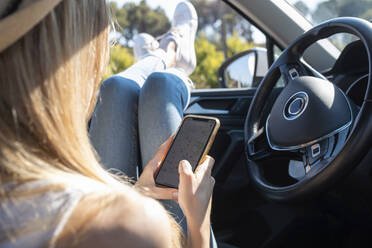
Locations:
{"points": [[195, 197], [146, 183]]}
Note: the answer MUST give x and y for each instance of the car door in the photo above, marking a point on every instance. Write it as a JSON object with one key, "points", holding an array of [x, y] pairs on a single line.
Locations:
{"points": [[233, 194], [235, 201], [230, 107]]}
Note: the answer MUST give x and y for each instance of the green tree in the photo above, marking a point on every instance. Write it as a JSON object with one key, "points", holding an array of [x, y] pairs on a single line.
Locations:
{"points": [[302, 7], [209, 51], [334, 8], [120, 59], [209, 59], [119, 16], [133, 19], [367, 15], [331, 8], [223, 21], [236, 44]]}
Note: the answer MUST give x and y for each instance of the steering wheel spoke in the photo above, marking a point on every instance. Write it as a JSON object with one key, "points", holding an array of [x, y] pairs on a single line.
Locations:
{"points": [[257, 146], [323, 150], [292, 71], [316, 152], [311, 156]]}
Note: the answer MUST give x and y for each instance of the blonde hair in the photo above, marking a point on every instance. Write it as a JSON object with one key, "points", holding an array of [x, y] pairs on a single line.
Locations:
{"points": [[49, 81]]}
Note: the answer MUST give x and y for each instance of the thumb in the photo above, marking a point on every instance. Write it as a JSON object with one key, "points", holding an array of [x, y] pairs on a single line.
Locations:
{"points": [[185, 171]]}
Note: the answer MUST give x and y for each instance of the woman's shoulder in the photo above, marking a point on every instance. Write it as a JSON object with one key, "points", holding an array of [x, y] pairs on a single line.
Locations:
{"points": [[46, 204], [109, 220], [85, 212]]}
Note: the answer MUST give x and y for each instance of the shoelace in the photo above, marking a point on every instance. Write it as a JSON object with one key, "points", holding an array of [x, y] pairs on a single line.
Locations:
{"points": [[152, 46], [175, 31]]}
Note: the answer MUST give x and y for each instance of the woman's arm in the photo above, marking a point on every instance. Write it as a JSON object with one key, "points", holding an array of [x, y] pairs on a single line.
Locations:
{"points": [[137, 221], [195, 197], [194, 194]]}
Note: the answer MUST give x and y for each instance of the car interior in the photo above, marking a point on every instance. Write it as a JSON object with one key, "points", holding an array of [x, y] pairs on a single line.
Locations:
{"points": [[293, 159]]}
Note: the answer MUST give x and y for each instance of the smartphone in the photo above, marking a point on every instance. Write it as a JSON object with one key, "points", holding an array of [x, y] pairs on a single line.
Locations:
{"points": [[192, 142]]}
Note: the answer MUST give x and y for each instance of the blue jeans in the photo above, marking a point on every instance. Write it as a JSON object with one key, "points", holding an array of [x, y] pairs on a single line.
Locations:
{"points": [[127, 114], [137, 111]]}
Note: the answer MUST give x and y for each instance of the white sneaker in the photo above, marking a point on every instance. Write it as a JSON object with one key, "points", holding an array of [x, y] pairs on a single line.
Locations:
{"points": [[144, 44], [183, 31]]}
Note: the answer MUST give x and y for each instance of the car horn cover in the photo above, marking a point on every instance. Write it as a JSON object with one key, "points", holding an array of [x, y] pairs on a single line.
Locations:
{"points": [[308, 110]]}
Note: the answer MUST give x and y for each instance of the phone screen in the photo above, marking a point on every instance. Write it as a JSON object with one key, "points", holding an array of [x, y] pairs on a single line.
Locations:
{"points": [[189, 144]]}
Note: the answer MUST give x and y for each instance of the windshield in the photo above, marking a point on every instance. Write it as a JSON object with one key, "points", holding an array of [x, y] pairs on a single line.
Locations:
{"points": [[317, 11]]}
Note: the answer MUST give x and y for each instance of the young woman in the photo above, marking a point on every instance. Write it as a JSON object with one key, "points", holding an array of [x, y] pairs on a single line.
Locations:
{"points": [[54, 192]]}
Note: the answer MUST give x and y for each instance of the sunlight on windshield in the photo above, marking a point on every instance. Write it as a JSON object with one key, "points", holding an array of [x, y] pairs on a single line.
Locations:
{"points": [[317, 11]]}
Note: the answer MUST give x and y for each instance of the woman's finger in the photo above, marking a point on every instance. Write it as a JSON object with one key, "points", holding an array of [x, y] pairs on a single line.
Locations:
{"points": [[186, 175], [211, 162], [205, 167], [204, 176], [164, 193], [158, 193], [175, 197]]}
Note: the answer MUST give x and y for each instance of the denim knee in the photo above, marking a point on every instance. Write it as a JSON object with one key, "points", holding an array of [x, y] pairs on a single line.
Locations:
{"points": [[119, 86], [113, 130], [164, 86]]}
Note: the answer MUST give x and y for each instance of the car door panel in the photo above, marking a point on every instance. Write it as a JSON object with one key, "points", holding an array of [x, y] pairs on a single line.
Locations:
{"points": [[232, 180], [230, 107]]}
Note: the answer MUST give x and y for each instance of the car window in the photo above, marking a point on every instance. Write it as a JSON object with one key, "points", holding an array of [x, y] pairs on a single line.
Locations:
{"points": [[318, 11], [222, 34]]}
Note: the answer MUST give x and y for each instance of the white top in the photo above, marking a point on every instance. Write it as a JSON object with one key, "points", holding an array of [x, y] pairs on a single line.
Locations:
{"points": [[38, 220]]}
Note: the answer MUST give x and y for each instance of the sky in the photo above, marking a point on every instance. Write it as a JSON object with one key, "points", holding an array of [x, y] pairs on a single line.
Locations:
{"points": [[170, 5], [167, 5]]}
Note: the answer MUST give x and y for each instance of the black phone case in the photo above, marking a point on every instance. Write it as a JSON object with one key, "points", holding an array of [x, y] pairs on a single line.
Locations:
{"points": [[206, 147]]}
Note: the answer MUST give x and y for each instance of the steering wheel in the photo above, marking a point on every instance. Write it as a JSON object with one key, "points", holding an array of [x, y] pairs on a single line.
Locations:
{"points": [[311, 119]]}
